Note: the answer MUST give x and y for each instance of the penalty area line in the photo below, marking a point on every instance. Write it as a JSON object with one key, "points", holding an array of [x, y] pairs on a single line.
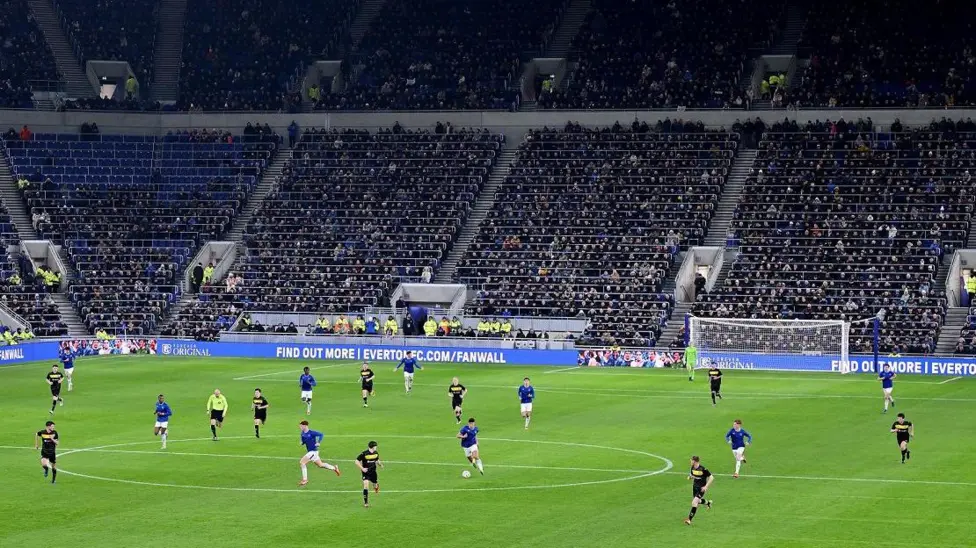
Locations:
{"points": [[560, 370], [853, 480], [949, 380]]}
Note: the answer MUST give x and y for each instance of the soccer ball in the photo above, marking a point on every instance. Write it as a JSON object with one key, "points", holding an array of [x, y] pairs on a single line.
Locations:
{"points": [[465, 474]]}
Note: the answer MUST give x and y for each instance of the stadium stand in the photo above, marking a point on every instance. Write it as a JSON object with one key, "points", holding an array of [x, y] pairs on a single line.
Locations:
{"points": [[132, 210], [243, 56], [839, 222], [112, 30], [24, 55], [21, 290], [442, 54], [589, 221], [862, 54], [657, 54], [353, 214]]}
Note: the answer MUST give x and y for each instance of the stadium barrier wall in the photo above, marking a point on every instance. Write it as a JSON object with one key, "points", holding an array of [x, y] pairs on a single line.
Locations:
{"points": [[950, 366]]}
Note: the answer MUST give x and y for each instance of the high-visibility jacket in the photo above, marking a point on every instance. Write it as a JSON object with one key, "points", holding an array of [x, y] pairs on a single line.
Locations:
{"points": [[430, 328], [506, 327], [391, 327]]}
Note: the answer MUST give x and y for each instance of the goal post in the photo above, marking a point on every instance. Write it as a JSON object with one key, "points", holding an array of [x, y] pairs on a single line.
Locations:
{"points": [[786, 345]]}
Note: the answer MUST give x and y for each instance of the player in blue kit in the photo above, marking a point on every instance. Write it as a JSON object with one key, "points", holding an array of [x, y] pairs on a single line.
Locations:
{"points": [[738, 438], [408, 363], [526, 394], [312, 440], [163, 413], [887, 378], [67, 357], [307, 383], [469, 442]]}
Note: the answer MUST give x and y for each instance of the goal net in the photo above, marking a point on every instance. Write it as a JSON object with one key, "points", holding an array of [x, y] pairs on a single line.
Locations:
{"points": [[770, 344]]}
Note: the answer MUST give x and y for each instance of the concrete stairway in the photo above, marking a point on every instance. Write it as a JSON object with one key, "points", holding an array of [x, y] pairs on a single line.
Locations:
{"points": [[15, 203], [796, 20], [73, 74], [364, 18], [258, 195], [569, 27], [76, 328], [479, 211], [169, 51], [719, 226], [942, 275], [529, 106], [675, 324], [954, 322], [971, 240], [728, 257], [174, 312]]}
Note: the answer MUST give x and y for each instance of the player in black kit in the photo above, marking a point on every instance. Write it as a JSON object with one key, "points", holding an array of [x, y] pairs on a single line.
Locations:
{"points": [[366, 377], [702, 480], [55, 378], [49, 444], [260, 405], [367, 461], [904, 431], [715, 380], [457, 392]]}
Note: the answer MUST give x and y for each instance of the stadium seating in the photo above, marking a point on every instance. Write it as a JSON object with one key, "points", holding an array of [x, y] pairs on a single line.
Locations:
{"points": [[113, 30], [839, 222], [443, 54], [589, 221], [654, 53], [132, 210], [20, 291], [354, 214], [242, 56], [863, 54], [24, 55]]}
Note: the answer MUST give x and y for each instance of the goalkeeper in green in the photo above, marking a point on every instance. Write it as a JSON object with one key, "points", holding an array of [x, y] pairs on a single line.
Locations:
{"points": [[691, 360]]}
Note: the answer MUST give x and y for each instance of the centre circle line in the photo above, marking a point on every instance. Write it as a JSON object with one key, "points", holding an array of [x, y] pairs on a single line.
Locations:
{"points": [[668, 465]]}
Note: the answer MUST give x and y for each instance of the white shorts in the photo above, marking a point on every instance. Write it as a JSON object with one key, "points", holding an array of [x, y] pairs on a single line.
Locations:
{"points": [[306, 394], [887, 391], [407, 376], [312, 456], [164, 424], [68, 372], [526, 407], [468, 451], [739, 452]]}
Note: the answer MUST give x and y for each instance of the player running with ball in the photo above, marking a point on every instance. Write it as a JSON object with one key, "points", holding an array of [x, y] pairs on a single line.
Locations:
{"points": [[469, 442], [738, 438]]}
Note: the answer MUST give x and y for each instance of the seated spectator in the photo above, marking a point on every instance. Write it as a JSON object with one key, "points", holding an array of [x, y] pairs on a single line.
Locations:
{"points": [[629, 55], [445, 55], [24, 55], [113, 30]]}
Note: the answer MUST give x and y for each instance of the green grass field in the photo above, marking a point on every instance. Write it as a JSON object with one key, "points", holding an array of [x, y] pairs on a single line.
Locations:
{"points": [[604, 462]]}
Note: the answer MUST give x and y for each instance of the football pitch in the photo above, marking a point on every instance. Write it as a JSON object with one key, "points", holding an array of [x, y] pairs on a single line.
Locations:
{"points": [[603, 463]]}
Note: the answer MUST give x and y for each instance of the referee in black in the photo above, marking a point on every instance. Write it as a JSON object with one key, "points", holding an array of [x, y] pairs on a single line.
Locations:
{"points": [[367, 461]]}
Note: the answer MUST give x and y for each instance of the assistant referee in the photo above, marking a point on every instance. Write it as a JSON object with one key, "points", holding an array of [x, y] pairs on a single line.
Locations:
{"points": [[217, 408]]}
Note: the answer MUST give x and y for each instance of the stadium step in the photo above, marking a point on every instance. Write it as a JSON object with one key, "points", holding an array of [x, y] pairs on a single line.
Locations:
{"points": [[528, 106], [174, 313], [971, 240], [479, 212], [70, 317], [728, 259], [796, 20], [268, 180], [72, 73], [14, 203], [674, 326], [942, 276], [168, 54], [718, 228], [364, 18], [955, 320], [44, 104], [569, 26]]}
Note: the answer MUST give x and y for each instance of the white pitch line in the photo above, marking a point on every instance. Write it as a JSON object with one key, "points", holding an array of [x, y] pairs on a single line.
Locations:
{"points": [[163, 453], [949, 380], [248, 377], [560, 370], [664, 394], [855, 480]]}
